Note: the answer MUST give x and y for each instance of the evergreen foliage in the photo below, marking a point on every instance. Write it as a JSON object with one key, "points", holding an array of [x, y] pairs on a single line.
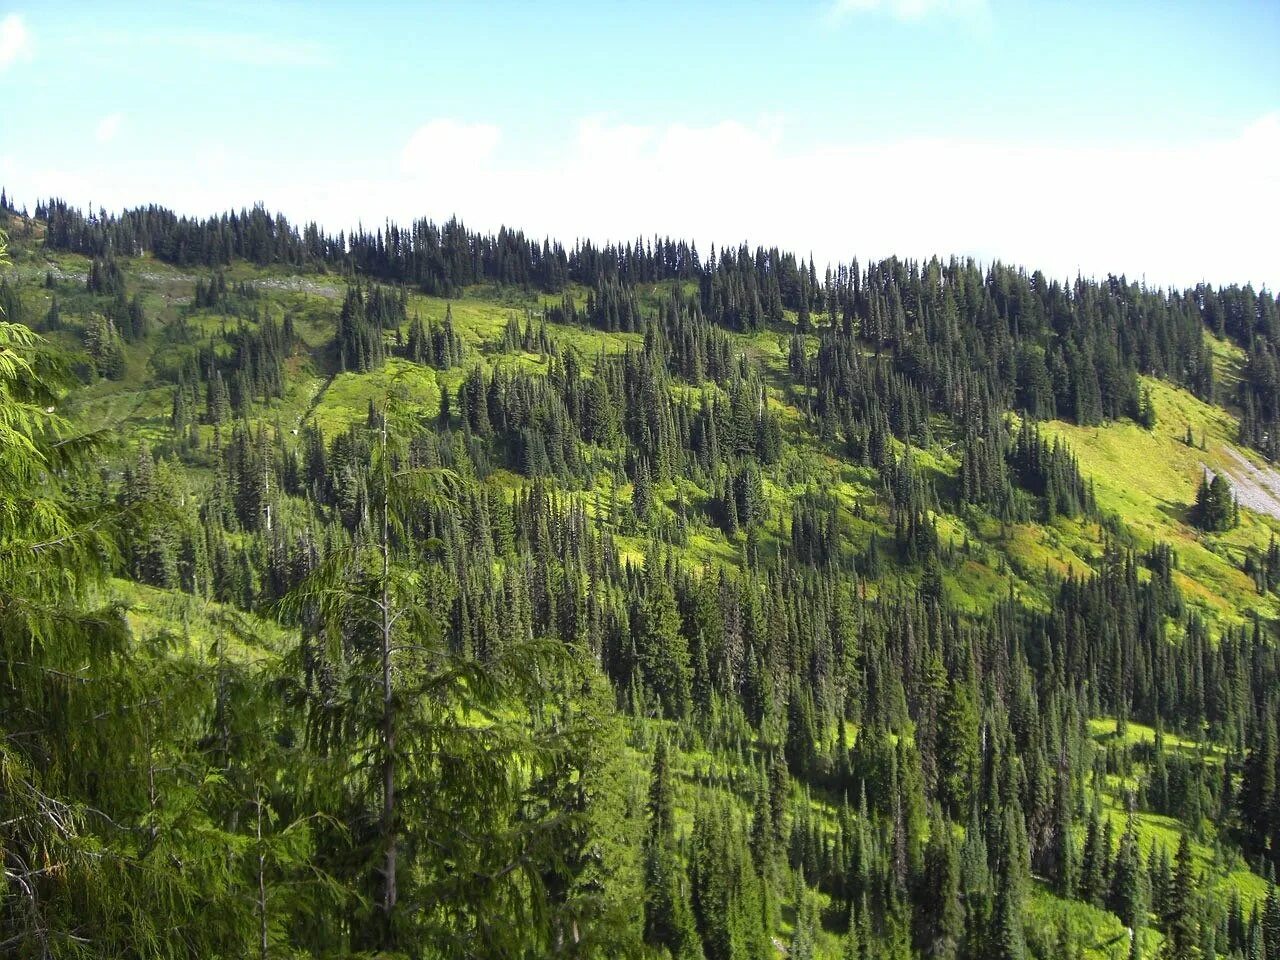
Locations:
{"points": [[600, 656]]}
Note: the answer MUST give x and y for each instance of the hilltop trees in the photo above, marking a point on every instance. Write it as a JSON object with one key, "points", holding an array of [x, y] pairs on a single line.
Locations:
{"points": [[1047, 348]]}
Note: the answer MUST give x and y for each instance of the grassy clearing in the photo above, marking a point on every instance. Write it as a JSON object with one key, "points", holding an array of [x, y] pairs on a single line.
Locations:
{"points": [[347, 399], [199, 626], [1103, 730], [1228, 361], [1099, 934], [1225, 873], [1150, 478]]}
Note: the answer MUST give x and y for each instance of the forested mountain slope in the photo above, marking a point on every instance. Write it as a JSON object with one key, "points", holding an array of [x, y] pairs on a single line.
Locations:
{"points": [[437, 594]]}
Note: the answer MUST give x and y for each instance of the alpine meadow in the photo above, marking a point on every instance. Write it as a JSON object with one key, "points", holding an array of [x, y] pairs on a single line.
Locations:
{"points": [[418, 591]]}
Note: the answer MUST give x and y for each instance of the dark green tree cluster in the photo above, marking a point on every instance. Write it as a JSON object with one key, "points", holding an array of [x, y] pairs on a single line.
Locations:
{"points": [[1044, 347], [105, 277], [366, 315], [436, 345], [1216, 508], [105, 346], [1265, 567]]}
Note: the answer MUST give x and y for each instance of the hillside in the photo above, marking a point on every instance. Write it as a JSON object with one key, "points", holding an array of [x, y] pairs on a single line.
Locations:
{"points": [[488, 598]]}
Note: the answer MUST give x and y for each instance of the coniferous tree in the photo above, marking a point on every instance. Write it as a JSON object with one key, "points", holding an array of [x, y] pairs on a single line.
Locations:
{"points": [[1215, 507], [668, 917], [1182, 929]]}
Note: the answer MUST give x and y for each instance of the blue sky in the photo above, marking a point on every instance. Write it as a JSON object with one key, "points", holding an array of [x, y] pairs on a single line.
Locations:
{"points": [[1099, 137]]}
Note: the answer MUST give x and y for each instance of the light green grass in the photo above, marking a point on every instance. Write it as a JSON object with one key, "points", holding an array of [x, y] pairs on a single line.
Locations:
{"points": [[1150, 478], [347, 399], [202, 628], [1098, 933]]}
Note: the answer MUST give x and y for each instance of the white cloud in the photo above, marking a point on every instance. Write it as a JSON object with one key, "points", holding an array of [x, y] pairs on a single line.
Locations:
{"points": [[1174, 214], [909, 10], [1202, 209], [16, 43], [443, 148], [108, 127]]}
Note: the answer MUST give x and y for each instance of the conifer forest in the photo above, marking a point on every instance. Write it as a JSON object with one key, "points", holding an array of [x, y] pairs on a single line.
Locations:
{"points": [[417, 592]]}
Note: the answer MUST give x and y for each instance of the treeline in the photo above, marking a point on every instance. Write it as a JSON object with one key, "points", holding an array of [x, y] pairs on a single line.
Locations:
{"points": [[1048, 348]]}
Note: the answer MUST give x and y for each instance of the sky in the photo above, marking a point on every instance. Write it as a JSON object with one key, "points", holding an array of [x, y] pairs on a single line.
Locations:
{"points": [[1071, 137]]}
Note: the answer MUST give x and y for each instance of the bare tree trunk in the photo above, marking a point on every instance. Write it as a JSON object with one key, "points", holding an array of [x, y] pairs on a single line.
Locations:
{"points": [[153, 796], [262, 885], [388, 707]]}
